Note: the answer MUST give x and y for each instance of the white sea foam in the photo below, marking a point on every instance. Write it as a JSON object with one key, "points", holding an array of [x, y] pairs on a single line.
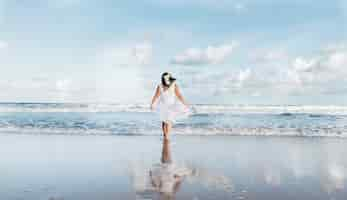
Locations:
{"points": [[203, 109], [180, 131], [136, 119]]}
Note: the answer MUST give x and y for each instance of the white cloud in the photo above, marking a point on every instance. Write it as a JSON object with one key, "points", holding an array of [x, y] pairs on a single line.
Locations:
{"points": [[244, 74], [129, 55], [209, 55], [3, 44], [62, 85], [328, 65], [301, 64], [317, 74], [256, 94], [303, 74], [143, 52], [101, 80], [239, 7], [236, 79], [218, 82], [278, 74], [331, 48], [62, 89], [337, 60], [269, 55]]}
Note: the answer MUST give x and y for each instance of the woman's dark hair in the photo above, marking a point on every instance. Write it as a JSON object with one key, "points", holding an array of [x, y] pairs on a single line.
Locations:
{"points": [[172, 79]]}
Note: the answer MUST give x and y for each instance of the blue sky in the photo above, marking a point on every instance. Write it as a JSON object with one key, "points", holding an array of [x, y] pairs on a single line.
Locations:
{"points": [[232, 52]]}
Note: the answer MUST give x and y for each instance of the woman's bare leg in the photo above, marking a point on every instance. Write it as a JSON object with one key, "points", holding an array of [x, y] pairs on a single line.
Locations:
{"points": [[168, 126], [165, 130], [166, 135], [163, 127]]}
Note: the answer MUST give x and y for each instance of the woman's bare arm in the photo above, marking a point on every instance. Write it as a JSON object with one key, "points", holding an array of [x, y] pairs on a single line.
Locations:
{"points": [[156, 95], [179, 95]]}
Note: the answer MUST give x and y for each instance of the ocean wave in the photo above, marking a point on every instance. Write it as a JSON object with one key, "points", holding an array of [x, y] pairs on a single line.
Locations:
{"points": [[286, 114], [260, 131], [285, 110], [115, 119]]}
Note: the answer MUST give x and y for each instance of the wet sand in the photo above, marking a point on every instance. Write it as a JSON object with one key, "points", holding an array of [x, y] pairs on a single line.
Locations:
{"points": [[35, 167]]}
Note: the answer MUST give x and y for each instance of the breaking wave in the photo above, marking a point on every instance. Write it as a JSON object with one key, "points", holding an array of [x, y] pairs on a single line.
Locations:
{"points": [[116, 119]]}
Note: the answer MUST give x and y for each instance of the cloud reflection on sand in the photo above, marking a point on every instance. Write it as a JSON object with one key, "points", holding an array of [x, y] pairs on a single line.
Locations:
{"points": [[334, 179], [300, 164]]}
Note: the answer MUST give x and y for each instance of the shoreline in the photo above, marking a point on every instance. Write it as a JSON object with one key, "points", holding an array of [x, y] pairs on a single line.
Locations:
{"points": [[14, 133]]}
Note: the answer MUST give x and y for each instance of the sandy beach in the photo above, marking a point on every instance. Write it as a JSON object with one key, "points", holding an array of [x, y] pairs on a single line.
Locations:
{"points": [[204, 167], [251, 93]]}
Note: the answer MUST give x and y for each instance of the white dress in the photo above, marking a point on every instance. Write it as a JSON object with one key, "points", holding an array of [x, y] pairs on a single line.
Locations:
{"points": [[169, 107]]}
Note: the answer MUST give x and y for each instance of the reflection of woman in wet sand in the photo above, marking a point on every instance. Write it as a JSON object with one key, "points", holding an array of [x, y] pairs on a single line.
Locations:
{"points": [[166, 178]]}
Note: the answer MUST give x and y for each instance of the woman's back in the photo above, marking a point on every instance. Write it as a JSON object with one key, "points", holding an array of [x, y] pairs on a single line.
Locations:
{"points": [[167, 95]]}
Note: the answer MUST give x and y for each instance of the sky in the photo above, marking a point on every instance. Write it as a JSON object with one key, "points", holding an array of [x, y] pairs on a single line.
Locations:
{"points": [[249, 52]]}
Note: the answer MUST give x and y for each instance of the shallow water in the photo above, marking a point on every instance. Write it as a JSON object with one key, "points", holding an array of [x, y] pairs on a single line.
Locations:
{"points": [[114, 119], [215, 167]]}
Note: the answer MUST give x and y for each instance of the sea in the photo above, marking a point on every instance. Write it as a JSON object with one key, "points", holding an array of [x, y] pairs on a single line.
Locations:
{"points": [[137, 119]]}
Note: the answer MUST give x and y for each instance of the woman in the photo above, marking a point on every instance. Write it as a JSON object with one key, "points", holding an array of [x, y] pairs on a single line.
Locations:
{"points": [[165, 103]]}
